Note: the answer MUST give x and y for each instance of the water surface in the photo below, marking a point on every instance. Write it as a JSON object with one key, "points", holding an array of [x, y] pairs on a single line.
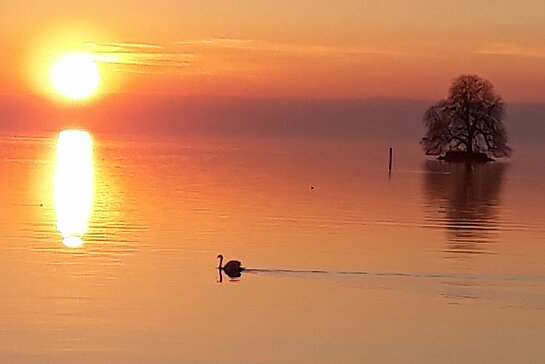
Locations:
{"points": [[432, 262]]}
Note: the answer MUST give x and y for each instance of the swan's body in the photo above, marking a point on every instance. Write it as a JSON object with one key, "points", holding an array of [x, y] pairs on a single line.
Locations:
{"points": [[232, 268]]}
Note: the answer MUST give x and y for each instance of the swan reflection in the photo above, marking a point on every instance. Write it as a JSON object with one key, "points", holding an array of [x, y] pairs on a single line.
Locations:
{"points": [[73, 185]]}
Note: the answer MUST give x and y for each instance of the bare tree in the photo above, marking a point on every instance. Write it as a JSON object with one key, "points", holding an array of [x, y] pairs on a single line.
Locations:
{"points": [[469, 121]]}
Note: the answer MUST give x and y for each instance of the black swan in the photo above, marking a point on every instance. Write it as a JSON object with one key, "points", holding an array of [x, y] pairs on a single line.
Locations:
{"points": [[232, 268]]}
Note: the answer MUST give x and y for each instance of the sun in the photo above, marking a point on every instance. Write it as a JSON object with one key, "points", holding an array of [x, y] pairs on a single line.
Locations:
{"points": [[75, 75]]}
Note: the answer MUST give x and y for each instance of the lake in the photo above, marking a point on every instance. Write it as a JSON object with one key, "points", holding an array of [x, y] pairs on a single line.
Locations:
{"points": [[347, 263]]}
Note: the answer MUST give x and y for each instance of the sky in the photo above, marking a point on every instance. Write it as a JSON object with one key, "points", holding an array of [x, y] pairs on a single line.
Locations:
{"points": [[275, 49]]}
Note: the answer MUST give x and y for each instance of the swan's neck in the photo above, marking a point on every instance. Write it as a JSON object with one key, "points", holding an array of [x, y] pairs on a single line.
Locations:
{"points": [[221, 261]]}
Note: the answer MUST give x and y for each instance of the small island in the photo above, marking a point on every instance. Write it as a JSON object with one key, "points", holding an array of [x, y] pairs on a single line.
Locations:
{"points": [[467, 126], [460, 156]]}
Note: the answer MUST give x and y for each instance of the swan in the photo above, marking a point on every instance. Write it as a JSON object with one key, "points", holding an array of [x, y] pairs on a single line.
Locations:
{"points": [[232, 268]]}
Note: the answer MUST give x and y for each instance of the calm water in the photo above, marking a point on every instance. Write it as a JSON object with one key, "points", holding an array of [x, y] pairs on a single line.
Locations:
{"points": [[430, 264]]}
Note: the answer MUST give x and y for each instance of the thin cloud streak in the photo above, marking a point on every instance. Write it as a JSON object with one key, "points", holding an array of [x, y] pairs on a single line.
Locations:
{"points": [[511, 49], [140, 55], [138, 45], [300, 48], [219, 54]]}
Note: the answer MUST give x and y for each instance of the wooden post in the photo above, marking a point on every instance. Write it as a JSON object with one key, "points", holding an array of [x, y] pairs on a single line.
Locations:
{"points": [[390, 163]]}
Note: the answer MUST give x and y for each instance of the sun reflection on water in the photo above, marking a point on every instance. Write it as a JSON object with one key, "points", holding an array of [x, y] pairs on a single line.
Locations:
{"points": [[73, 185]]}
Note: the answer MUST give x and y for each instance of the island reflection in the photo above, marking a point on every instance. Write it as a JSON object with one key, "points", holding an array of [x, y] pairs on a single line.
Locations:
{"points": [[465, 200]]}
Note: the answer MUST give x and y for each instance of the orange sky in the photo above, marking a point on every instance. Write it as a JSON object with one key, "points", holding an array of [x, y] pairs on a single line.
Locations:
{"points": [[314, 49]]}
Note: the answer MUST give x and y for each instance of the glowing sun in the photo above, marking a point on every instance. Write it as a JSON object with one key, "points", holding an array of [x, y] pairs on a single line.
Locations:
{"points": [[75, 75]]}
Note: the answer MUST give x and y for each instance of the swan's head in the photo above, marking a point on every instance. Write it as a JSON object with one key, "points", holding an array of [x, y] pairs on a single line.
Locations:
{"points": [[220, 256]]}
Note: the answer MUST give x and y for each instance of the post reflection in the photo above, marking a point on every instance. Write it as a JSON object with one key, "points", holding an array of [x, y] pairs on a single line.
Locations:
{"points": [[464, 199], [73, 185]]}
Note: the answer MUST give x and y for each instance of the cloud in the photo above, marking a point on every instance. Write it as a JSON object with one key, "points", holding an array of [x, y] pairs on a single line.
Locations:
{"points": [[143, 55], [217, 55], [290, 48], [511, 49], [139, 45]]}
